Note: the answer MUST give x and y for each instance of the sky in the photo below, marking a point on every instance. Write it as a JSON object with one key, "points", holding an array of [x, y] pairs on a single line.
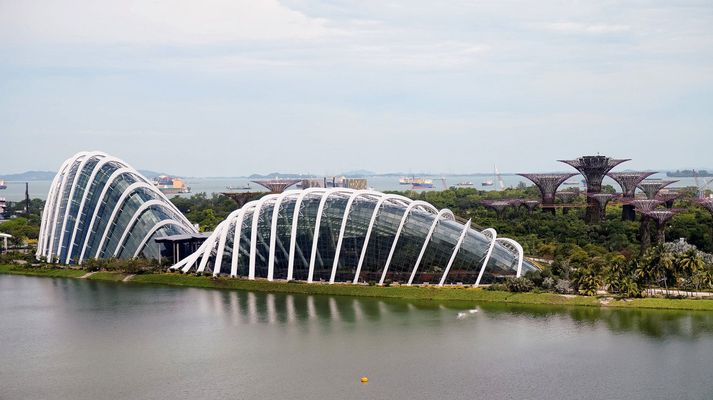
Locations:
{"points": [[234, 87]]}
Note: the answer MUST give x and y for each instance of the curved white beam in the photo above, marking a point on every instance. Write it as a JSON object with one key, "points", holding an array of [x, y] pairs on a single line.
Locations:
{"points": [[455, 252], [107, 159], [293, 231], [131, 189], [372, 221], [237, 236], [75, 185], [515, 248], [492, 234], [221, 243], [46, 215], [217, 233], [134, 218], [342, 228], [152, 231], [65, 173], [253, 232], [427, 207], [441, 214], [317, 223], [273, 230]]}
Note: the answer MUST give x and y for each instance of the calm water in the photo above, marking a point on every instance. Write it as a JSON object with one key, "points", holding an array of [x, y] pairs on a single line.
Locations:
{"points": [[38, 189], [73, 339]]}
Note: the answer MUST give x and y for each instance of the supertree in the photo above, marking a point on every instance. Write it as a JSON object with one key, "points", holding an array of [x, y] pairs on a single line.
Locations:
{"points": [[628, 182], [498, 205], [531, 205], [644, 206], [652, 187], [668, 198], [662, 216], [277, 185], [602, 200], [548, 184], [567, 197], [593, 168]]}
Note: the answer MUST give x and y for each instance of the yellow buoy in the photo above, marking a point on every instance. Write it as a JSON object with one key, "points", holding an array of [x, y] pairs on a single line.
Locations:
{"points": [[364, 379]]}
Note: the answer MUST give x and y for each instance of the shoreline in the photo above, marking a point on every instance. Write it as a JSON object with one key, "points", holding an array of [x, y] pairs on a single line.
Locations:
{"points": [[439, 294]]}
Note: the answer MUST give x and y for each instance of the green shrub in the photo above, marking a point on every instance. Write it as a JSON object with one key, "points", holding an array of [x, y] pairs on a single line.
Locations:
{"points": [[520, 284]]}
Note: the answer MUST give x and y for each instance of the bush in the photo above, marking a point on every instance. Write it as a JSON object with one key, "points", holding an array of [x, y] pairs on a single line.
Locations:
{"points": [[497, 287], [563, 286], [519, 284], [549, 283]]}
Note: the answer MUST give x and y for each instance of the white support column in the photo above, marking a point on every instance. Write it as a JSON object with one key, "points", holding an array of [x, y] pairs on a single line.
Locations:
{"points": [[441, 214], [217, 233], [221, 243], [514, 247], [343, 226], [273, 231], [253, 233], [455, 253], [423, 204], [318, 221], [67, 167], [237, 236], [375, 214], [492, 235], [293, 232]]}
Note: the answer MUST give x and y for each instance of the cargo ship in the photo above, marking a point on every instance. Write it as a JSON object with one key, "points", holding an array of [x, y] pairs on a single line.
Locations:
{"points": [[2, 184], [419, 183], [171, 185], [466, 183]]}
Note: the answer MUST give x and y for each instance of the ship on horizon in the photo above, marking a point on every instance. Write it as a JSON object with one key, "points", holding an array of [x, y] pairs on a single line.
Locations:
{"points": [[2, 184], [171, 185]]}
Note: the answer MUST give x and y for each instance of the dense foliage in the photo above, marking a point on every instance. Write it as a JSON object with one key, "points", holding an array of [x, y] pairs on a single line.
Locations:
{"points": [[205, 211]]}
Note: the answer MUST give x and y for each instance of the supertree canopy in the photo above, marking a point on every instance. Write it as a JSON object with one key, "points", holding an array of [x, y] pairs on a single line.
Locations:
{"points": [[593, 168], [628, 182], [652, 187], [548, 184], [277, 185], [661, 216]]}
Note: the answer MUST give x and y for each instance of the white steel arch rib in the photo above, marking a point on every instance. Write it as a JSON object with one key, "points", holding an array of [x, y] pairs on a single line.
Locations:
{"points": [[131, 189], [423, 204], [217, 233], [513, 247], [293, 231], [135, 218], [273, 231], [318, 221], [77, 176], [45, 225], [405, 201], [64, 171], [441, 214], [152, 231], [342, 228], [455, 252], [221, 243], [96, 170], [492, 234], [105, 190], [237, 236], [253, 233]]}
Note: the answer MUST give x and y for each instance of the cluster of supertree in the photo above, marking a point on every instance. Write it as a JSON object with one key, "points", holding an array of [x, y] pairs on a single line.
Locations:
{"points": [[500, 205], [656, 209]]}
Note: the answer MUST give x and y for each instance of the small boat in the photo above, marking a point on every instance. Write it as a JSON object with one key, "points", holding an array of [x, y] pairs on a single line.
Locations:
{"points": [[466, 183], [246, 187], [171, 185], [2, 185], [487, 183]]}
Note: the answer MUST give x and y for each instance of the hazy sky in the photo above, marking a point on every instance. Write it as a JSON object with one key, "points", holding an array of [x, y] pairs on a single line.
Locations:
{"points": [[234, 87]]}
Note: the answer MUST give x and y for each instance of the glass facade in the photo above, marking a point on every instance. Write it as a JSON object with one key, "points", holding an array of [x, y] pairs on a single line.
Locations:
{"points": [[351, 236], [99, 207]]}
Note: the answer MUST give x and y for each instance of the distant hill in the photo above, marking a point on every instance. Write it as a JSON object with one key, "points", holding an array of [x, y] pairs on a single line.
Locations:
{"points": [[29, 176], [280, 175], [359, 173]]}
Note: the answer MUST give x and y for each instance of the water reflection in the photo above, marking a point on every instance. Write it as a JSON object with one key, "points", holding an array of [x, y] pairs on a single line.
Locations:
{"points": [[240, 307]]}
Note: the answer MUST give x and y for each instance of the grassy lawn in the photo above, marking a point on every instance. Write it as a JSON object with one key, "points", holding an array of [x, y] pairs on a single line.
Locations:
{"points": [[48, 272], [107, 276], [401, 292]]}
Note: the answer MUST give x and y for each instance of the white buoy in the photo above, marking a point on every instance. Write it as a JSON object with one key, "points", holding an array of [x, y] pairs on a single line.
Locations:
{"points": [[473, 311]]}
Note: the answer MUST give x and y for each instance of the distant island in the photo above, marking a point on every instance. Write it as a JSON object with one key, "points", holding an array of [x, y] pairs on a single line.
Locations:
{"points": [[688, 173], [29, 176]]}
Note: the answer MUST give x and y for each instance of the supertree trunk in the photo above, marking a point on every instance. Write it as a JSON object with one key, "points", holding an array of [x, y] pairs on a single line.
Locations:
{"points": [[645, 233]]}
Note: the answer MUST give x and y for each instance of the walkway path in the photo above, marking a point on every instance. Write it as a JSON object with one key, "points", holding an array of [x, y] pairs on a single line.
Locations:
{"points": [[87, 275], [128, 277], [676, 292]]}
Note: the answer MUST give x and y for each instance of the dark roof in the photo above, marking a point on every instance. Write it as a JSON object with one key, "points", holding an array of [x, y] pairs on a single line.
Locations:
{"points": [[194, 237]]}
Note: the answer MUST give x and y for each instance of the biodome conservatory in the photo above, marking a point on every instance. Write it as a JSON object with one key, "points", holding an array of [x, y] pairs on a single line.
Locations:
{"points": [[351, 236], [100, 207]]}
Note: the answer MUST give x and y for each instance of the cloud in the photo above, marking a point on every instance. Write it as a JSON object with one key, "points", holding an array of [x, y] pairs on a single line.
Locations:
{"points": [[580, 28], [156, 22]]}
